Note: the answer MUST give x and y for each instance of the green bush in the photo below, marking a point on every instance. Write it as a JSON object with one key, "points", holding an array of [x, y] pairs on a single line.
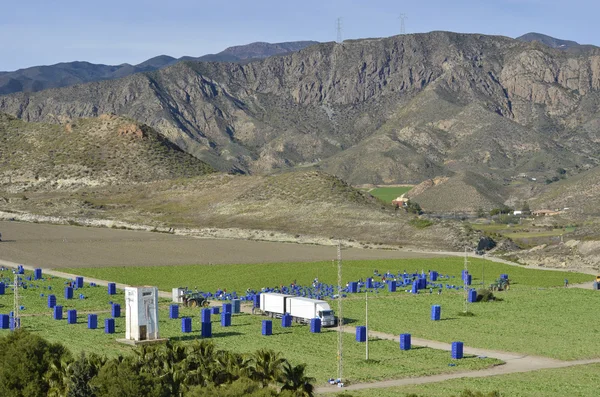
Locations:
{"points": [[420, 223]]}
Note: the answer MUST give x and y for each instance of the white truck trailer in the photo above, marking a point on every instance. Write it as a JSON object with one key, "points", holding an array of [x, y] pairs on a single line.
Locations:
{"points": [[301, 309]]}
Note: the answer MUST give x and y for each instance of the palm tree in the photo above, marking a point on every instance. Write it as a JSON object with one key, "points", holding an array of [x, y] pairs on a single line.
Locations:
{"points": [[57, 376], [294, 379], [266, 366]]}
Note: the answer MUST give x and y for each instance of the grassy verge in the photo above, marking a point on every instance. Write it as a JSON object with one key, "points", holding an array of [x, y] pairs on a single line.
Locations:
{"points": [[574, 381]]}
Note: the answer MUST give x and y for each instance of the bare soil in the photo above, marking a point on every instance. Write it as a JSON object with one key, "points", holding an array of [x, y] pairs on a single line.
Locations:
{"points": [[60, 246]]}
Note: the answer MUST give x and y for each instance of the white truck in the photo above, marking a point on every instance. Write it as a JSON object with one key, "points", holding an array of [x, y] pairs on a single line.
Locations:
{"points": [[301, 309]]}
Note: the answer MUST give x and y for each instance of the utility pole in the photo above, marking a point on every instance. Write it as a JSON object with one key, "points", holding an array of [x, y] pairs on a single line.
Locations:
{"points": [[340, 316], [367, 324], [465, 282], [338, 27], [16, 317]]}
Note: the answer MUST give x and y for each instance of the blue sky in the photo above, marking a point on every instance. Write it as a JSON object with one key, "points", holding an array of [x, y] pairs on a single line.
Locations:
{"points": [[43, 32]]}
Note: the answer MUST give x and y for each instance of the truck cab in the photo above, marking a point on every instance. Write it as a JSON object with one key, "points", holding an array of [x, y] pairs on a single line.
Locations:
{"points": [[327, 318]]}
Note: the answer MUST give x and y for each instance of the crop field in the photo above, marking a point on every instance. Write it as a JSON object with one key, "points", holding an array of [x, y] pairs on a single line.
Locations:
{"points": [[239, 277], [319, 351], [575, 381], [388, 194], [534, 316]]}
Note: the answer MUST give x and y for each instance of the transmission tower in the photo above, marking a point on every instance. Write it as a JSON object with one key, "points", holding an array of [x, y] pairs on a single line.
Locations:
{"points": [[402, 18], [16, 317], [340, 316], [338, 26]]}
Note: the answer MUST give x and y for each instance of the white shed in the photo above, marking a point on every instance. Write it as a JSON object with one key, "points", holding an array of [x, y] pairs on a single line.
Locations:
{"points": [[141, 313]]}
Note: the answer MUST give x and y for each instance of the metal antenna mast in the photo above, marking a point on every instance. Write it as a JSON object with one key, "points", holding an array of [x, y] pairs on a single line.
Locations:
{"points": [[338, 26], [465, 282], [402, 23], [16, 316], [340, 316]]}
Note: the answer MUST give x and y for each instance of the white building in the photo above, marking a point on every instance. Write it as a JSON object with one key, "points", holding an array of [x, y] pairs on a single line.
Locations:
{"points": [[141, 313]]}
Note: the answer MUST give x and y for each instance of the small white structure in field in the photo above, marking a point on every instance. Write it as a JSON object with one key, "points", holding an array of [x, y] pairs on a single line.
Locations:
{"points": [[141, 313], [178, 295]]}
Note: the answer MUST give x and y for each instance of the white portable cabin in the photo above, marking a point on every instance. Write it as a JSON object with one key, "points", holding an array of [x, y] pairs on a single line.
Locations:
{"points": [[178, 295], [141, 305]]}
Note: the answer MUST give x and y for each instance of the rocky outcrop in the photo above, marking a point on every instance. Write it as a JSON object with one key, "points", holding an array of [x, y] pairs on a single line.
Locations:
{"points": [[422, 104]]}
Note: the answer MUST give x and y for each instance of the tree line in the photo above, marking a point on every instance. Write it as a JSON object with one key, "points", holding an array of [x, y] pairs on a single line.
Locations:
{"points": [[30, 366]]}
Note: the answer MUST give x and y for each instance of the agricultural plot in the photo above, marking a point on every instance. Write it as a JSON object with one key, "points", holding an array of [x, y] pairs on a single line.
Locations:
{"points": [[240, 277], [574, 381], [388, 194], [296, 343], [533, 316]]}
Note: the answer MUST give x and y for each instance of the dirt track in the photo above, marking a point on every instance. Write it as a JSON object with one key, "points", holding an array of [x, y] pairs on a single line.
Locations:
{"points": [[57, 246]]}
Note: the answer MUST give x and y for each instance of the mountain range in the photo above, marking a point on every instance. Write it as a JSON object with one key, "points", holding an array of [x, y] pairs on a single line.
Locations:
{"points": [[39, 78], [390, 110]]}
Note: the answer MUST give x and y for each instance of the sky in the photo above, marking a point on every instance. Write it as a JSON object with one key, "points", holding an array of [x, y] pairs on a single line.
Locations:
{"points": [[44, 32]]}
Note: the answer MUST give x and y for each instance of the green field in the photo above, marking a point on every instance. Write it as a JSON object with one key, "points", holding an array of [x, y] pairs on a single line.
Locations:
{"points": [[388, 194], [533, 306], [297, 344], [579, 381], [240, 277]]}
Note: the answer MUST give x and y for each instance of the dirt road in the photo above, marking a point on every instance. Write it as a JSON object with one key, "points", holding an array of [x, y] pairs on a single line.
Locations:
{"points": [[514, 362]]}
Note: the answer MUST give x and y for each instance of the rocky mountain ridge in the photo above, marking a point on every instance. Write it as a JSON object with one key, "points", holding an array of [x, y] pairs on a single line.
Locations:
{"points": [[65, 74], [391, 110]]}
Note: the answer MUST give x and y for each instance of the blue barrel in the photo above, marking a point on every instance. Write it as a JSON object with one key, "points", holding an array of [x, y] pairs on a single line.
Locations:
{"points": [[112, 288], [173, 311], [286, 320], [186, 324], [315, 325], [369, 283], [225, 319], [68, 292], [256, 300], [109, 325], [353, 287], [469, 279], [37, 274], [79, 282], [463, 275], [361, 333], [72, 316], [227, 308], [115, 310], [436, 312], [206, 330], [267, 327], [405, 342], [415, 287], [457, 350], [237, 306], [472, 296], [4, 321], [92, 321], [504, 276], [392, 286], [2, 288], [51, 301], [205, 315], [433, 276], [57, 314], [215, 310]]}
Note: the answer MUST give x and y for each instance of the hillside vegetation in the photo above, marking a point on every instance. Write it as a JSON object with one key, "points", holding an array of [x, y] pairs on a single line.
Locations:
{"points": [[87, 152]]}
